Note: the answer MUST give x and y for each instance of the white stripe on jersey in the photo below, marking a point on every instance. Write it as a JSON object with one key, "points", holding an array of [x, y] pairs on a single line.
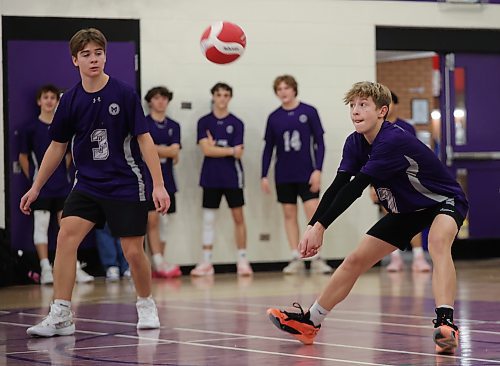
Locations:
{"points": [[35, 165], [135, 168], [239, 173], [312, 151], [411, 172]]}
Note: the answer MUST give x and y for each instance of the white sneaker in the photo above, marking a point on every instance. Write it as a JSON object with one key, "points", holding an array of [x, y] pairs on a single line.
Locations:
{"points": [[243, 268], [294, 267], [147, 314], [113, 274], [46, 277], [320, 266], [420, 264], [203, 269], [81, 275], [127, 274], [58, 322], [396, 264]]}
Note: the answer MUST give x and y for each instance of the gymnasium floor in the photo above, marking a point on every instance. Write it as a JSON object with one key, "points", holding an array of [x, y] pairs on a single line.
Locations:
{"points": [[385, 321]]}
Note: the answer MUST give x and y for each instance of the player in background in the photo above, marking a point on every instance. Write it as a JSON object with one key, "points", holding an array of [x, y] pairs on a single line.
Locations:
{"points": [[295, 130], [415, 188], [220, 136], [34, 142], [166, 134], [110, 141]]}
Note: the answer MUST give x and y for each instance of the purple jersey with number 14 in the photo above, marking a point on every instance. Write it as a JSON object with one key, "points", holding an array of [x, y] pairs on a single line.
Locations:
{"points": [[297, 135], [406, 174], [103, 129]]}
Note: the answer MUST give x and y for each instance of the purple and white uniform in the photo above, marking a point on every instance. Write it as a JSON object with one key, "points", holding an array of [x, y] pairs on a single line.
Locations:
{"points": [[405, 126], [297, 135], [226, 172], [406, 174], [165, 133], [103, 129], [35, 141]]}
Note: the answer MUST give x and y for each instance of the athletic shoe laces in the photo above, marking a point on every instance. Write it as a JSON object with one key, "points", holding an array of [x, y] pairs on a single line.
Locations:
{"points": [[301, 317], [443, 320]]}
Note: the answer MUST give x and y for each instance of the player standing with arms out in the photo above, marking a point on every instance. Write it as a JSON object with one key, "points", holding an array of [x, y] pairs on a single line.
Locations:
{"points": [[295, 130], [104, 120]]}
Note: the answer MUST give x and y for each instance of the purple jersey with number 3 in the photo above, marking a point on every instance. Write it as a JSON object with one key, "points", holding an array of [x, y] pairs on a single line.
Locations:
{"points": [[226, 172], [165, 133], [103, 129], [406, 174], [34, 141], [297, 135]]}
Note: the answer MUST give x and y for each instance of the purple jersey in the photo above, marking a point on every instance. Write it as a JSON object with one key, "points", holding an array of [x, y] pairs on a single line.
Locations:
{"points": [[405, 173], [226, 172], [34, 142], [297, 135], [405, 126], [103, 129], [165, 133]]}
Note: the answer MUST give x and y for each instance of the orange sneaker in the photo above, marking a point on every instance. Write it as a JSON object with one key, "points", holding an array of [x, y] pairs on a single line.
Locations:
{"points": [[446, 338], [297, 324]]}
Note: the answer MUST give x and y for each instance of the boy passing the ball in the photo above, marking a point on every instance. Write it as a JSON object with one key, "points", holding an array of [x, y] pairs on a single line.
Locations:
{"points": [[417, 191], [104, 120]]}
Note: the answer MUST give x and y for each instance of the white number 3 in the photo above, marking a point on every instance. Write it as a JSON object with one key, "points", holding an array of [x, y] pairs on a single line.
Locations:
{"points": [[101, 137]]}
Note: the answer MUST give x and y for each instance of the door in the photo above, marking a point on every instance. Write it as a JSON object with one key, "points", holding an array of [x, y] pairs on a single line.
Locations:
{"points": [[471, 135]]}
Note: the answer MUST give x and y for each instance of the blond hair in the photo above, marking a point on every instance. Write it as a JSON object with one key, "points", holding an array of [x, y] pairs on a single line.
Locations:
{"points": [[380, 94], [83, 37]]}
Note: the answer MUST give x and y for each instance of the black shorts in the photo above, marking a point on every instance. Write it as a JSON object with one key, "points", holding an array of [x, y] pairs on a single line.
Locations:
{"points": [[52, 204], [288, 192], [124, 218], [399, 229], [213, 196], [171, 209]]}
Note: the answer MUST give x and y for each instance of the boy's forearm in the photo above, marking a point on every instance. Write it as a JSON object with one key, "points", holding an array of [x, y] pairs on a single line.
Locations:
{"points": [[150, 157], [25, 165], [50, 162], [171, 151], [217, 151]]}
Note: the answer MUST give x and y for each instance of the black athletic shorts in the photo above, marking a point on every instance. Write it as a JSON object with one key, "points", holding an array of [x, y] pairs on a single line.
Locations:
{"points": [[124, 218], [171, 209], [400, 228], [213, 196], [288, 192], [52, 204]]}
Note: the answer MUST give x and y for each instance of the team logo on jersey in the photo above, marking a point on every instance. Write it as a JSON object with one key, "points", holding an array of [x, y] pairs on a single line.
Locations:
{"points": [[170, 132], [229, 129], [303, 118], [114, 109]]}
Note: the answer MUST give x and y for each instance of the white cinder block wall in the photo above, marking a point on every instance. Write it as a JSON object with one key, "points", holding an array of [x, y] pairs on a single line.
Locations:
{"points": [[327, 45]]}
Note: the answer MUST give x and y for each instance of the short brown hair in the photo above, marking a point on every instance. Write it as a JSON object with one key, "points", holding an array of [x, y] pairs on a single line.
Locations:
{"points": [[49, 88], [159, 90], [288, 80], [222, 86], [83, 37], [380, 94]]}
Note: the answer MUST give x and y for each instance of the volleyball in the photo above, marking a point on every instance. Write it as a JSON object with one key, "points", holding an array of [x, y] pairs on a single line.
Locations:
{"points": [[223, 42]]}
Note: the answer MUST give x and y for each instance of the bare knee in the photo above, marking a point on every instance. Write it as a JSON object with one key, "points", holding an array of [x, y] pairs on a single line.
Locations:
{"points": [[439, 244], [290, 213], [352, 263], [133, 254]]}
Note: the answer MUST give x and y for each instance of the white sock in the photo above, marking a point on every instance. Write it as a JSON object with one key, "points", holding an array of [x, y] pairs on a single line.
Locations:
{"points": [[317, 313], [295, 254], [63, 303], [242, 254], [140, 299], [44, 263], [418, 252], [207, 255], [395, 253], [446, 306], [157, 260]]}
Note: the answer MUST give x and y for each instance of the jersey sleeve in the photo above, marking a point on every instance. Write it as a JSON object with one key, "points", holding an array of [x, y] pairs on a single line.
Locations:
{"points": [[25, 138], [385, 160], [176, 134], [350, 161], [239, 132], [202, 130], [137, 120], [62, 129]]}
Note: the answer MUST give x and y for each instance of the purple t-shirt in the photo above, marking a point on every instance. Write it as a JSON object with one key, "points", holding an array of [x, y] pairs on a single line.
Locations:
{"points": [[165, 133], [405, 173], [405, 126], [226, 172], [297, 135], [103, 129], [34, 142]]}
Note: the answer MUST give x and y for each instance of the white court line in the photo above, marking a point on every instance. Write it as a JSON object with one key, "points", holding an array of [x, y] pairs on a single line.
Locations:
{"points": [[218, 339], [4, 312], [355, 312], [85, 320], [217, 347], [162, 305], [338, 345]]}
